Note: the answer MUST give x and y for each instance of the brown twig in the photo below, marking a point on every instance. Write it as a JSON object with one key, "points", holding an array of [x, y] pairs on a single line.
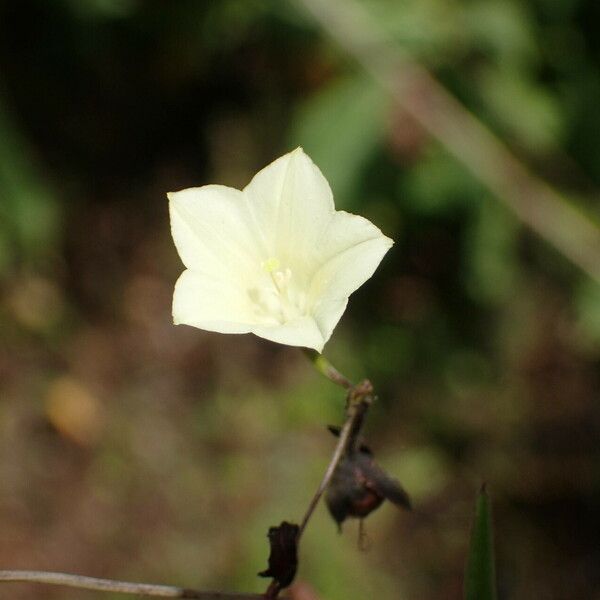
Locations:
{"points": [[360, 398], [324, 367], [122, 587]]}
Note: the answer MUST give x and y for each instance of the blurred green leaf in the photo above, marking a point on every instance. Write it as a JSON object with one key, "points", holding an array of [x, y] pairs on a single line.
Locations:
{"points": [[528, 111], [503, 30], [437, 184], [225, 24], [480, 575], [429, 29], [587, 306], [491, 253], [424, 470], [340, 127], [29, 212]]}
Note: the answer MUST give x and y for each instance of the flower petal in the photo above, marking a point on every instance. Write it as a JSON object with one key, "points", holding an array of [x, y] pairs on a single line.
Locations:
{"points": [[274, 259], [293, 203], [212, 230], [353, 248], [303, 331], [212, 303], [327, 315]]}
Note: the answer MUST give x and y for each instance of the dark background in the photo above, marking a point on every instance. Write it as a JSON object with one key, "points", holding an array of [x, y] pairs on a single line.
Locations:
{"points": [[130, 448]]}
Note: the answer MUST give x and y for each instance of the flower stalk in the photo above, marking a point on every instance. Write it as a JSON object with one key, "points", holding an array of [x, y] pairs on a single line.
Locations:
{"points": [[359, 399], [324, 367]]}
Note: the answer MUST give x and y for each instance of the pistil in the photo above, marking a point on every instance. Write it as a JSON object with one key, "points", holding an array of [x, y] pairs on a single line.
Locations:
{"points": [[281, 279]]}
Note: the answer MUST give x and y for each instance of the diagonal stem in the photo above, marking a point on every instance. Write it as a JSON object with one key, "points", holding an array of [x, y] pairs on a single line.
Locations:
{"points": [[122, 587], [327, 369], [360, 398], [339, 451]]}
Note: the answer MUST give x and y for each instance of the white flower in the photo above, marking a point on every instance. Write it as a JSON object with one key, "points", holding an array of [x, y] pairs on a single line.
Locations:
{"points": [[275, 259]]}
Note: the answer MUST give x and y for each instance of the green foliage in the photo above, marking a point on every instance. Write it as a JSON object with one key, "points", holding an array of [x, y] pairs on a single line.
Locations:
{"points": [[340, 127], [29, 212], [430, 29], [491, 253], [482, 342], [587, 305], [528, 112], [503, 30], [437, 185], [480, 574]]}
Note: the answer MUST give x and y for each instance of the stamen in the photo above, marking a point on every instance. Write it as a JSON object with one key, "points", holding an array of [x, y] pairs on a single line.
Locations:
{"points": [[281, 280], [282, 301], [271, 264]]}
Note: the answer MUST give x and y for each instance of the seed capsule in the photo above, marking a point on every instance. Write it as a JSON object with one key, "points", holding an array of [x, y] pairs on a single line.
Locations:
{"points": [[359, 486]]}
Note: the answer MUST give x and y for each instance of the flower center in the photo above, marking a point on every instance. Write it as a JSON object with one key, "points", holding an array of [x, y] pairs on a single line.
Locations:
{"points": [[278, 298]]}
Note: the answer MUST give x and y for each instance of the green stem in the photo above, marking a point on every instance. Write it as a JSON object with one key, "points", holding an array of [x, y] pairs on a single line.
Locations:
{"points": [[327, 369]]}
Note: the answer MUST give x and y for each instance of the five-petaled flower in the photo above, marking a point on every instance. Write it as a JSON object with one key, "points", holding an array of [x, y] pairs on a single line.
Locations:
{"points": [[274, 259]]}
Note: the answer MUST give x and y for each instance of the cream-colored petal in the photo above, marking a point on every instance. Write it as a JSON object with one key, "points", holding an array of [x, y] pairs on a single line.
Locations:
{"points": [[327, 315], [352, 248], [213, 303], [344, 231], [292, 203], [212, 230], [275, 259], [303, 331]]}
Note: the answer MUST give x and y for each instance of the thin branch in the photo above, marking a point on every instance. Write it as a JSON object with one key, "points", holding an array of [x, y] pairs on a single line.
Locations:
{"points": [[331, 467], [360, 398], [413, 87], [324, 367], [122, 587]]}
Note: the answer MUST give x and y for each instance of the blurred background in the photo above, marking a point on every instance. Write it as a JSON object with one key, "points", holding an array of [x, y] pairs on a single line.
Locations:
{"points": [[134, 449]]}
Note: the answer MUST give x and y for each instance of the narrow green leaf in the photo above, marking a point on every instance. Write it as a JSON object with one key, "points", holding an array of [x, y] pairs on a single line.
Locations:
{"points": [[480, 575]]}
